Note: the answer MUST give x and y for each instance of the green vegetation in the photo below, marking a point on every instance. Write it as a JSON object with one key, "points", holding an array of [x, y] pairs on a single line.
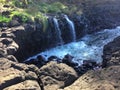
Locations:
{"points": [[3, 1], [29, 9], [18, 3], [52, 8], [4, 19], [24, 16]]}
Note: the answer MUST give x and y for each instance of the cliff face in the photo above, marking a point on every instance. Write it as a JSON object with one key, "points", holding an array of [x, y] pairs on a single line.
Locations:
{"points": [[88, 16], [111, 54], [102, 13]]}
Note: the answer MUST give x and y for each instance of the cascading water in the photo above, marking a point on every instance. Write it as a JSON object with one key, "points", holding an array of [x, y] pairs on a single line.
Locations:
{"points": [[71, 28], [90, 47], [58, 31]]}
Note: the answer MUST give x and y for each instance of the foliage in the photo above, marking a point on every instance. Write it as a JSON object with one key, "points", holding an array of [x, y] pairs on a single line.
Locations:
{"points": [[24, 16], [30, 9], [52, 8], [4, 19], [3, 1], [20, 3]]}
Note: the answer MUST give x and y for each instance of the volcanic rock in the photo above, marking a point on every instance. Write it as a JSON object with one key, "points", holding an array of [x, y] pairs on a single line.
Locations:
{"points": [[17, 76], [105, 79], [68, 59], [111, 54], [57, 74]]}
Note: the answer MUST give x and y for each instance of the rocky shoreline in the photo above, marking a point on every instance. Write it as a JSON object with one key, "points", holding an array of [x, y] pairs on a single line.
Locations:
{"points": [[55, 75], [18, 75], [19, 41], [105, 79]]}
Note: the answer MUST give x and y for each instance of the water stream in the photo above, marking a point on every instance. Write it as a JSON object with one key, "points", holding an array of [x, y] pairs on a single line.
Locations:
{"points": [[58, 31], [90, 47], [71, 28]]}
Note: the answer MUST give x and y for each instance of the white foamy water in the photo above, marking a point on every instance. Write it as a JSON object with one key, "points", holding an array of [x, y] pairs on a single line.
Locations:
{"points": [[90, 47]]}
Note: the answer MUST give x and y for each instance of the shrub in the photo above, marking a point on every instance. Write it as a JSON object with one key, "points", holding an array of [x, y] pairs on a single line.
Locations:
{"points": [[4, 19], [22, 15], [52, 8], [3, 1], [20, 3]]}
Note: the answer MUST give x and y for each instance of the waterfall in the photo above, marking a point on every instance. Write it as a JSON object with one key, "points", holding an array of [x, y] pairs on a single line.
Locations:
{"points": [[58, 31], [90, 47], [71, 28]]}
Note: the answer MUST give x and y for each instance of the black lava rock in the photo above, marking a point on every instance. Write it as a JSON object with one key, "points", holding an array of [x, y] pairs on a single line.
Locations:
{"points": [[68, 59]]}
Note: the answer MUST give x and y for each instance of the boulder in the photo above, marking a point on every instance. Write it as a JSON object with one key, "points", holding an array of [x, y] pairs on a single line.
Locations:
{"points": [[28, 85], [12, 58], [57, 74], [68, 59], [105, 79], [39, 61], [54, 58], [6, 13], [15, 75], [3, 52], [86, 66], [6, 41], [7, 35], [1, 44], [12, 48]]}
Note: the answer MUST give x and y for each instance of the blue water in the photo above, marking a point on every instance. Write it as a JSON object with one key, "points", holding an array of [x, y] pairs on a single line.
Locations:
{"points": [[90, 47]]}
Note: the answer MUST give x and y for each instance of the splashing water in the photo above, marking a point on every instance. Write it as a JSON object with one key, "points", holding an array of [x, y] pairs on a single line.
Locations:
{"points": [[90, 47]]}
